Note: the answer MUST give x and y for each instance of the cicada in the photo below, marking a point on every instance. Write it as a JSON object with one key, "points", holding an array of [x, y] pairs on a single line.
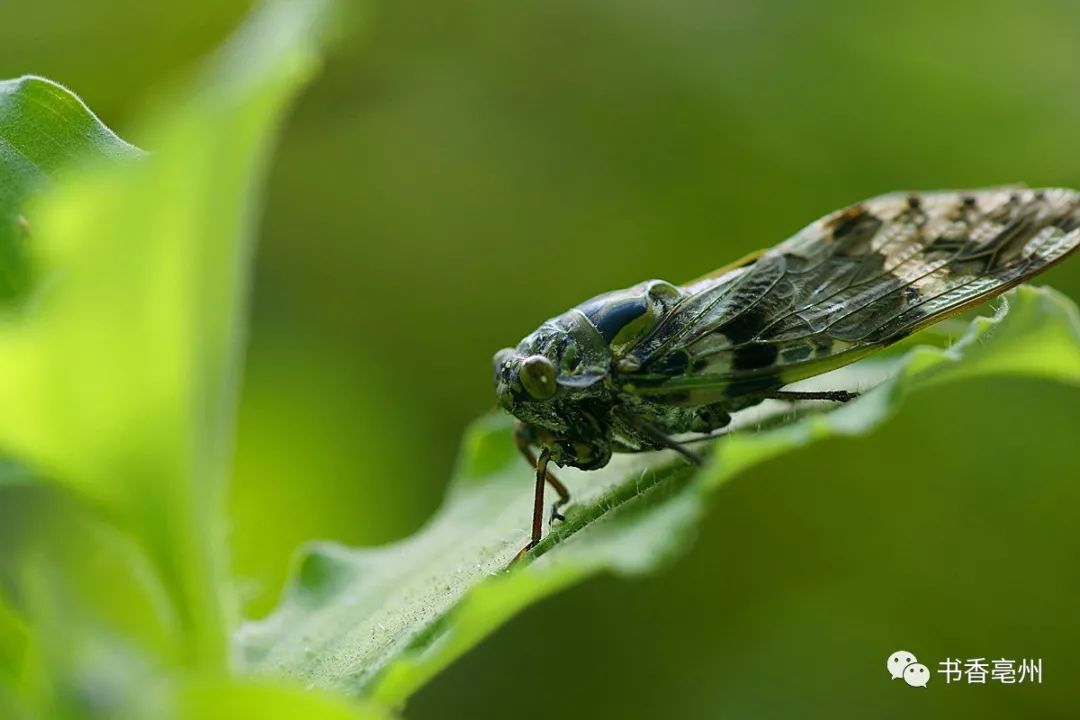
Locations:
{"points": [[629, 370]]}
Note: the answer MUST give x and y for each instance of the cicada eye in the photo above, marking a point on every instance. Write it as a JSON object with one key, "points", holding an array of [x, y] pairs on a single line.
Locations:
{"points": [[537, 375]]}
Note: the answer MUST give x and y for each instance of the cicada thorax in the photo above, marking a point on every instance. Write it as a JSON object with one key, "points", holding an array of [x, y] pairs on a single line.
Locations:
{"points": [[623, 318], [588, 415]]}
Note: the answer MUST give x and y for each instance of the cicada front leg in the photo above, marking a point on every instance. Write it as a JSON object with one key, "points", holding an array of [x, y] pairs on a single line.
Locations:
{"points": [[538, 507], [523, 439]]}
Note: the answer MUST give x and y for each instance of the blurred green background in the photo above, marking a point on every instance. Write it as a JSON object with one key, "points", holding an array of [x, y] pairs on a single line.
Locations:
{"points": [[476, 167]]}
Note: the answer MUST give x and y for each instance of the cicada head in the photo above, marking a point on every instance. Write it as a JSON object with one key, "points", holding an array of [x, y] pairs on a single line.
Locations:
{"points": [[554, 376]]}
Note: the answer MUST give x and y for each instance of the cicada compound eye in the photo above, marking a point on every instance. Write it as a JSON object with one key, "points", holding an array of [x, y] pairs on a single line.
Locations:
{"points": [[537, 376]]}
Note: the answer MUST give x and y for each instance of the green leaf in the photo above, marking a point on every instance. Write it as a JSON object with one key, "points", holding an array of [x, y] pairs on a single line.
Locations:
{"points": [[44, 129], [13, 641], [118, 382], [231, 700], [97, 625], [381, 622]]}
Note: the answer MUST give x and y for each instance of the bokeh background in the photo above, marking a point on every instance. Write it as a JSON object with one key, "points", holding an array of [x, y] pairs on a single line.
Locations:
{"points": [[472, 168]]}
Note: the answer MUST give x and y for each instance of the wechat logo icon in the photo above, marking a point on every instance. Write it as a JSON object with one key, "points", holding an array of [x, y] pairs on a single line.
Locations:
{"points": [[904, 665]]}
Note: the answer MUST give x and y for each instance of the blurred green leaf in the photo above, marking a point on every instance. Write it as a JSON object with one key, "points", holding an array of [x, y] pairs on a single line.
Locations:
{"points": [[118, 383], [381, 622], [44, 128], [13, 639], [228, 701], [99, 627], [121, 382]]}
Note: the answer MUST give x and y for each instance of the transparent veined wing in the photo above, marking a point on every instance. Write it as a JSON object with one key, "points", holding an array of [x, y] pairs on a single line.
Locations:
{"points": [[848, 284]]}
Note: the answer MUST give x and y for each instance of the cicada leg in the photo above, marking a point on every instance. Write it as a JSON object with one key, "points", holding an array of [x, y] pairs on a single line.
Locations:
{"points": [[834, 395], [538, 505], [661, 438], [521, 439]]}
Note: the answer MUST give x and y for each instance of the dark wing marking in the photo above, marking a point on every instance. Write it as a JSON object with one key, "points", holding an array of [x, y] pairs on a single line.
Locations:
{"points": [[852, 282]]}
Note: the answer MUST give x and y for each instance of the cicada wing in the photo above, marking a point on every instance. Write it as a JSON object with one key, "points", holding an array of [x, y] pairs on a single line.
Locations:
{"points": [[850, 283]]}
